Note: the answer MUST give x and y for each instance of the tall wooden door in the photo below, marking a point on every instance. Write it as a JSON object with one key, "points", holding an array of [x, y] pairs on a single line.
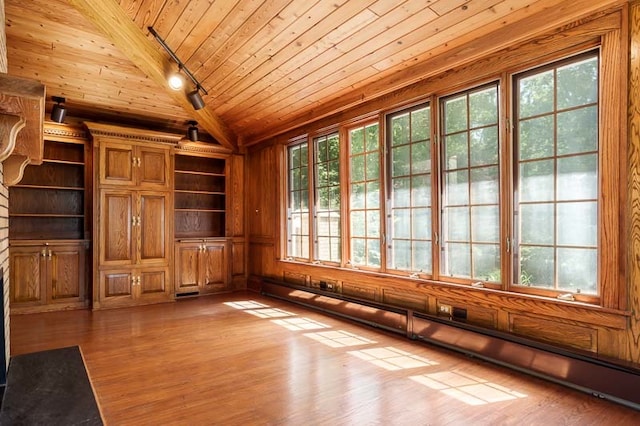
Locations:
{"points": [[153, 227], [117, 222]]}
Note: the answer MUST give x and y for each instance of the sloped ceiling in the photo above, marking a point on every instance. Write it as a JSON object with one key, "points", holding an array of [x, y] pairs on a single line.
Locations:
{"points": [[267, 65]]}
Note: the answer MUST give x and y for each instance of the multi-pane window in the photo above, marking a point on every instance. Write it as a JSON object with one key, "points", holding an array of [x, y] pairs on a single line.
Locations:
{"points": [[364, 197], [522, 214], [327, 196], [409, 210], [470, 185], [556, 199], [298, 203]]}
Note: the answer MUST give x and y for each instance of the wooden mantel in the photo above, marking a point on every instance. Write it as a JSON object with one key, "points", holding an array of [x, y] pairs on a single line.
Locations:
{"points": [[21, 125]]}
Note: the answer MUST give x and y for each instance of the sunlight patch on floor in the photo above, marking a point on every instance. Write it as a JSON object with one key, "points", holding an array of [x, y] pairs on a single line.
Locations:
{"points": [[246, 304], [392, 359], [270, 313], [339, 338], [296, 324], [467, 388]]}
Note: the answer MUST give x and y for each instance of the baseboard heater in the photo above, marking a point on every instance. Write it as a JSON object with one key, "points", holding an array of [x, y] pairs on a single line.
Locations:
{"points": [[598, 377]]}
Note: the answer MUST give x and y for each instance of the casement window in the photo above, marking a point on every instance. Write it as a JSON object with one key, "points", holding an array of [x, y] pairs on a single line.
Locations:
{"points": [[364, 195], [298, 201], [514, 194], [313, 210], [470, 226], [326, 220], [409, 239], [556, 197]]}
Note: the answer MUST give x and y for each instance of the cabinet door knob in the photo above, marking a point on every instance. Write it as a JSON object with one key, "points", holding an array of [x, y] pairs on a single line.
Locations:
{"points": [[49, 253], [139, 161], [44, 252]]}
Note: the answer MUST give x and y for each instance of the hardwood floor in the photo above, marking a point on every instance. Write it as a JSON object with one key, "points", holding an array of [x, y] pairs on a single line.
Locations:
{"points": [[246, 359]]}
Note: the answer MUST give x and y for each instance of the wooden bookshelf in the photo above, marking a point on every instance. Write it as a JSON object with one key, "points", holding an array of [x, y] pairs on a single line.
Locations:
{"points": [[200, 197], [49, 201]]}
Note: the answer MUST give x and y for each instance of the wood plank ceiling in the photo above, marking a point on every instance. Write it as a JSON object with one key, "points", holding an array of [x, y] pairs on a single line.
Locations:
{"points": [[267, 65]]}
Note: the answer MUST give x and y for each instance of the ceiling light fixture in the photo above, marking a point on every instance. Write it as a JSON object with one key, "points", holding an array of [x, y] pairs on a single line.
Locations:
{"points": [[176, 82], [58, 111], [194, 96], [192, 132]]}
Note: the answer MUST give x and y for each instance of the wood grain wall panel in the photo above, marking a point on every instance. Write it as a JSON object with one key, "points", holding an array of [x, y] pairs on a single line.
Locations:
{"points": [[554, 332], [295, 278], [361, 291], [633, 190], [238, 258], [260, 190], [237, 196], [419, 303], [261, 261]]}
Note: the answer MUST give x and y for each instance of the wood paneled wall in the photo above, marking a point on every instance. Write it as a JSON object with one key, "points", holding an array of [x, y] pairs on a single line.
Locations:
{"points": [[633, 242], [605, 332]]}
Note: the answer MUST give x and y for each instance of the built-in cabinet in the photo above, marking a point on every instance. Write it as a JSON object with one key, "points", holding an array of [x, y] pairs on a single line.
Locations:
{"points": [[48, 275], [143, 216], [201, 267], [49, 226], [134, 226], [201, 250]]}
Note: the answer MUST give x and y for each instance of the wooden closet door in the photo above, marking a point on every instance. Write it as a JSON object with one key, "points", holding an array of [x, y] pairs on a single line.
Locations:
{"points": [[214, 266], [116, 227], [153, 227], [67, 271]]}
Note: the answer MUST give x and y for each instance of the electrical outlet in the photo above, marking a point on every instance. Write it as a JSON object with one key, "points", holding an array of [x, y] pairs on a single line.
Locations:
{"points": [[330, 286], [444, 309]]}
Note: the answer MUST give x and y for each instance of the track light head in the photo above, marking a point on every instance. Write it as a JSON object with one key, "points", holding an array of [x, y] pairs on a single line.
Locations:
{"points": [[192, 132], [58, 111], [175, 81], [196, 100]]}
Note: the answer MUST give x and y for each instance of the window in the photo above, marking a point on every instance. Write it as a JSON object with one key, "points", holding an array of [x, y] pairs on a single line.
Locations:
{"points": [[327, 195], [556, 169], [298, 205], [523, 207], [470, 176], [364, 197], [409, 139]]}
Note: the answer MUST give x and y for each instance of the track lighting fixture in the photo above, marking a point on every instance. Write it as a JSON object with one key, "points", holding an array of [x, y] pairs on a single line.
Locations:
{"points": [[192, 132], [196, 100], [58, 111], [175, 81]]}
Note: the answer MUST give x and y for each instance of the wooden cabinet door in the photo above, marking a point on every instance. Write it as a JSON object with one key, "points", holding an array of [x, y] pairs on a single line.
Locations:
{"points": [[118, 164], [67, 273], [116, 227], [153, 227], [116, 286], [28, 275], [152, 167], [152, 283], [187, 267], [214, 267]]}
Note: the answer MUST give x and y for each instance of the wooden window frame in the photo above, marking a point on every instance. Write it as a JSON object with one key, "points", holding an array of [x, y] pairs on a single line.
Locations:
{"points": [[608, 33]]}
